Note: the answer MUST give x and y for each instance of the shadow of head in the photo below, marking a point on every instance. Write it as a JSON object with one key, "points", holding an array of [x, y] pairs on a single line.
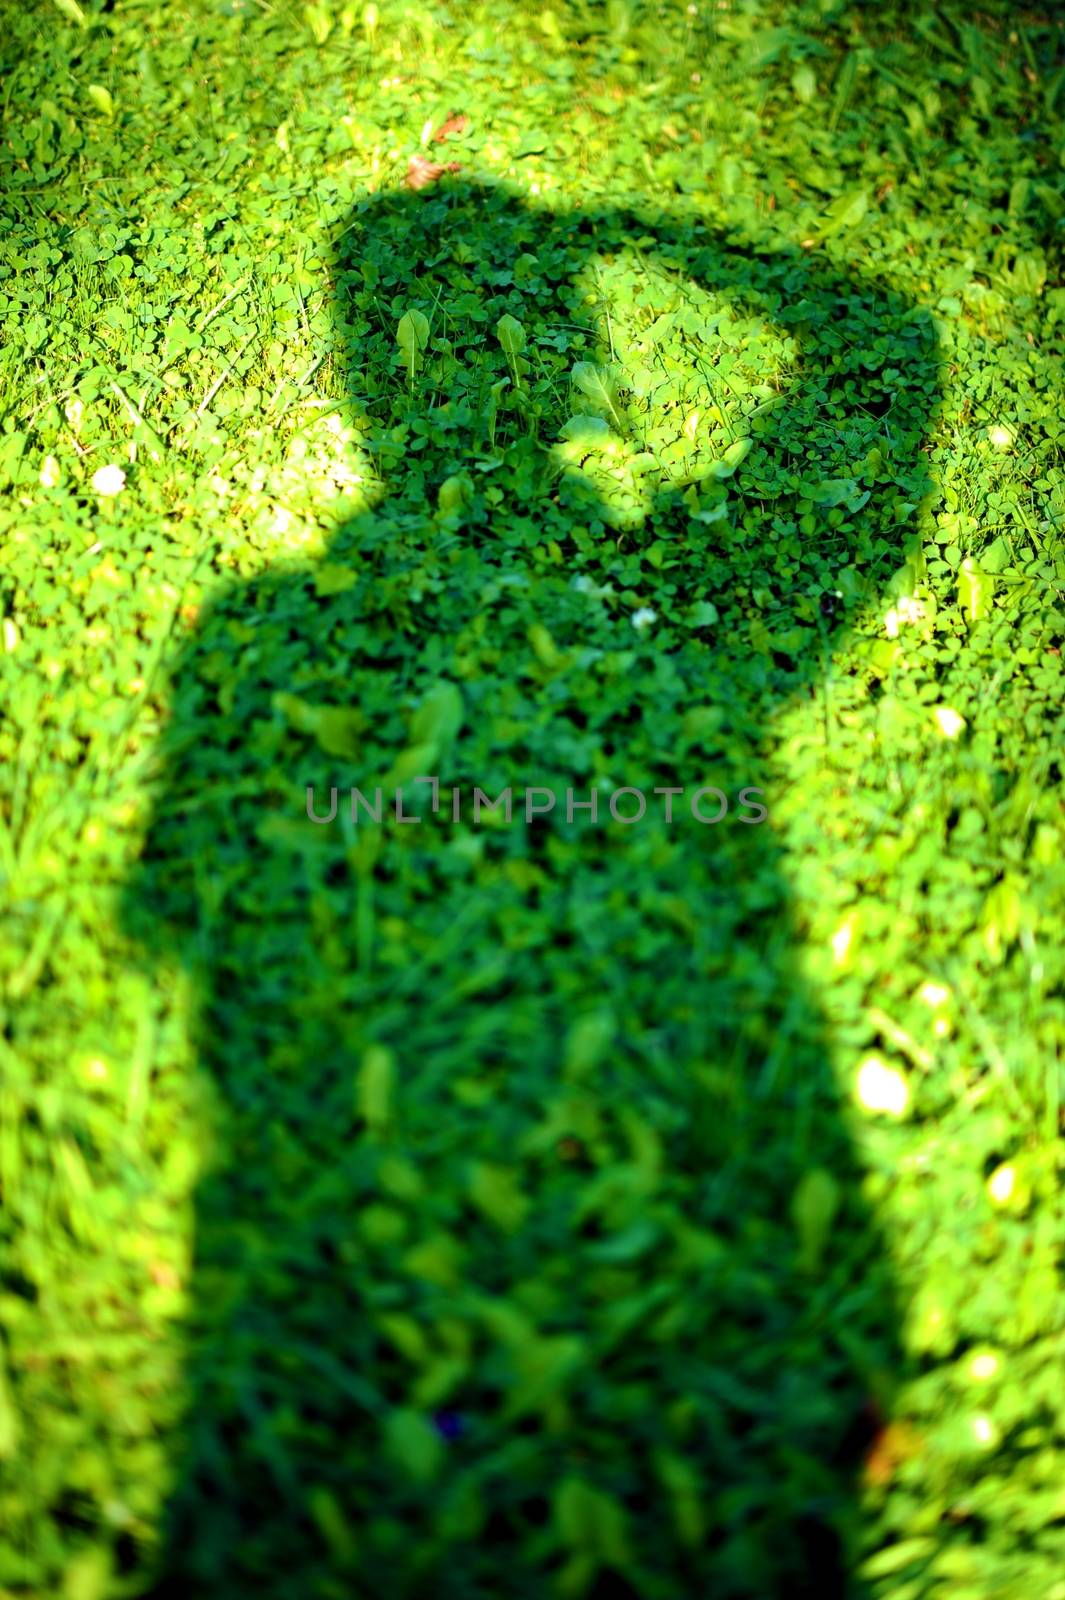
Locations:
{"points": [[532, 1242], [682, 351]]}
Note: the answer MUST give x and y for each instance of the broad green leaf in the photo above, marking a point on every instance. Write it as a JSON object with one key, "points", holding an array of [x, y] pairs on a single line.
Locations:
{"points": [[406, 1334], [511, 335], [687, 1495], [72, 11], [845, 212], [9, 1418], [996, 556], [439, 717], [976, 591], [532, 143], [545, 648], [585, 430], [339, 731], [733, 457], [896, 1557], [319, 21], [1002, 916], [101, 99], [496, 1191], [373, 1086], [813, 1209], [832, 491], [332, 1522], [414, 1444], [454, 494], [587, 1042], [412, 336], [545, 1366], [415, 761], [333, 579], [595, 384], [804, 83], [592, 1521], [89, 1575], [703, 614]]}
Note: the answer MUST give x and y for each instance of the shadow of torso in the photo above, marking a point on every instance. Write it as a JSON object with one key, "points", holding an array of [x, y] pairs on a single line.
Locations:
{"points": [[510, 1260]]}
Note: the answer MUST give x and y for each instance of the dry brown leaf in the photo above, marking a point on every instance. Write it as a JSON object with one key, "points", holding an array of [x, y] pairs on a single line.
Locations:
{"points": [[421, 172], [457, 123], [892, 1447]]}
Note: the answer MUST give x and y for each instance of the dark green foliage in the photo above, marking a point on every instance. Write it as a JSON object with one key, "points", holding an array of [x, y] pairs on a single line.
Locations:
{"points": [[520, 992]]}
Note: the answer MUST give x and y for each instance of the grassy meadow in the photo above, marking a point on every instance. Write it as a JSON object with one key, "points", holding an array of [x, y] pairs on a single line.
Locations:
{"points": [[616, 1151]]}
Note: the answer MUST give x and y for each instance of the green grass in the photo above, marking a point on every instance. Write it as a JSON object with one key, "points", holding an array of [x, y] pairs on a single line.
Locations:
{"points": [[481, 1207]]}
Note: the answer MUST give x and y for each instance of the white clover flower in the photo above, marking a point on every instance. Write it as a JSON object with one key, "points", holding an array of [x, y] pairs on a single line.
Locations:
{"points": [[934, 994], [109, 480], [587, 585], [983, 1365], [984, 1431], [949, 723], [1000, 437], [1002, 1182], [50, 472], [882, 1088], [843, 938], [906, 609], [643, 618]]}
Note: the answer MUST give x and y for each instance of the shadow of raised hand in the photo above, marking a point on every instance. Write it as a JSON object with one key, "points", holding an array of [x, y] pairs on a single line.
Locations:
{"points": [[533, 1249]]}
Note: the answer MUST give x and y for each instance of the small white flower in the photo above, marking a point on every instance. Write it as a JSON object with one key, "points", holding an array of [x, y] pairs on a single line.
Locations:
{"points": [[11, 636], [949, 723], [50, 473], [842, 939], [984, 1431], [1000, 437], [643, 618], [934, 994], [909, 609], [1001, 1184], [882, 1088], [109, 480], [983, 1366], [891, 623]]}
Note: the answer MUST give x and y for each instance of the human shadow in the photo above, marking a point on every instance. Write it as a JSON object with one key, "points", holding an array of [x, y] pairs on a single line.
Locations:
{"points": [[533, 1249]]}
